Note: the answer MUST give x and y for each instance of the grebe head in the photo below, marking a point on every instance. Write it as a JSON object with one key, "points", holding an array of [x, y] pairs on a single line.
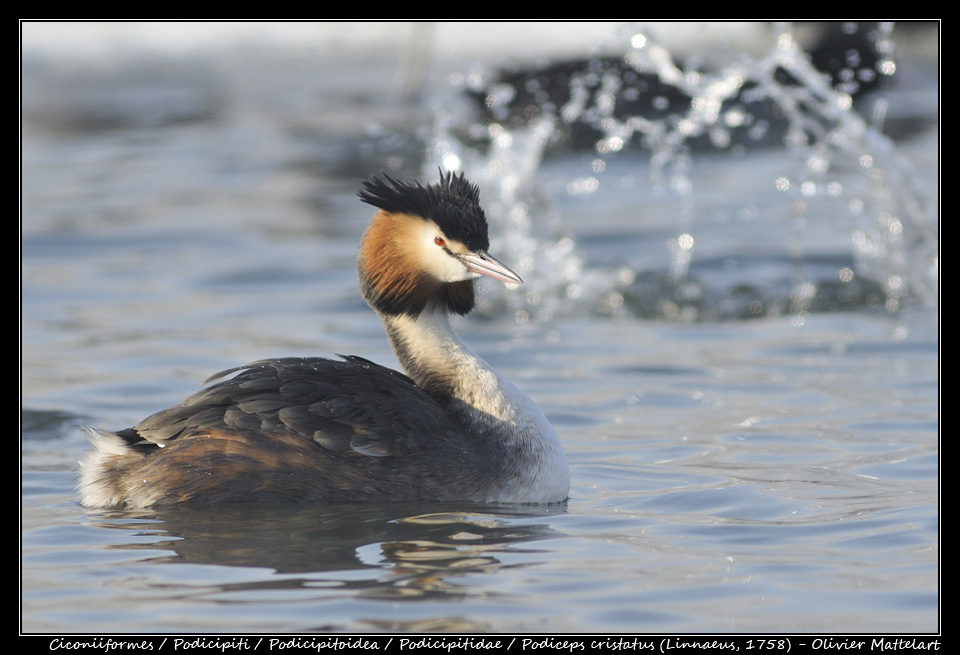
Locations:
{"points": [[425, 246]]}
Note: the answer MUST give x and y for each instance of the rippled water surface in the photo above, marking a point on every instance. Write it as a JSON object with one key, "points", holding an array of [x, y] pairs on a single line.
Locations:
{"points": [[743, 373]]}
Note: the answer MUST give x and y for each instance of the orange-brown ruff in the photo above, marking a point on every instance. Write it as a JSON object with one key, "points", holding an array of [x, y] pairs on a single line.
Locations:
{"points": [[324, 430]]}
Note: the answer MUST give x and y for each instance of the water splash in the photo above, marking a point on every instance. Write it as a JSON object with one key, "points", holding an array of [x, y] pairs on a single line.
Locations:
{"points": [[831, 171]]}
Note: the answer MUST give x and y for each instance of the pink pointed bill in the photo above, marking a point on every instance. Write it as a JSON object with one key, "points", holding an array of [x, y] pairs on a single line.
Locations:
{"points": [[481, 263]]}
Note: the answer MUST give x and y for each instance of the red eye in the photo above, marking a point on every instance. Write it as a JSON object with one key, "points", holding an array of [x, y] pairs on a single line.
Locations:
{"points": [[439, 241]]}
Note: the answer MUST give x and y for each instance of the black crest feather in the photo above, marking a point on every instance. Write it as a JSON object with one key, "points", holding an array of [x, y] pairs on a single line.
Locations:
{"points": [[453, 204]]}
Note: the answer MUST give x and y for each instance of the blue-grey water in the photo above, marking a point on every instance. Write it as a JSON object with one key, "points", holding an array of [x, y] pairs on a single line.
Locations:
{"points": [[738, 345]]}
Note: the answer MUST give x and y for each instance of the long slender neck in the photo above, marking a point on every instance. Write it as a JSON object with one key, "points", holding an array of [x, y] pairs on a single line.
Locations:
{"points": [[439, 362], [489, 406]]}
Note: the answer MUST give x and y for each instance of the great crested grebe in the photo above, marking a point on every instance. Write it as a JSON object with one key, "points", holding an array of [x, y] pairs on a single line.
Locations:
{"points": [[322, 430]]}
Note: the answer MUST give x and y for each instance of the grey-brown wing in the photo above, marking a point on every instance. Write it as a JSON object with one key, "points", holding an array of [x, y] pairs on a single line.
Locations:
{"points": [[342, 405]]}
